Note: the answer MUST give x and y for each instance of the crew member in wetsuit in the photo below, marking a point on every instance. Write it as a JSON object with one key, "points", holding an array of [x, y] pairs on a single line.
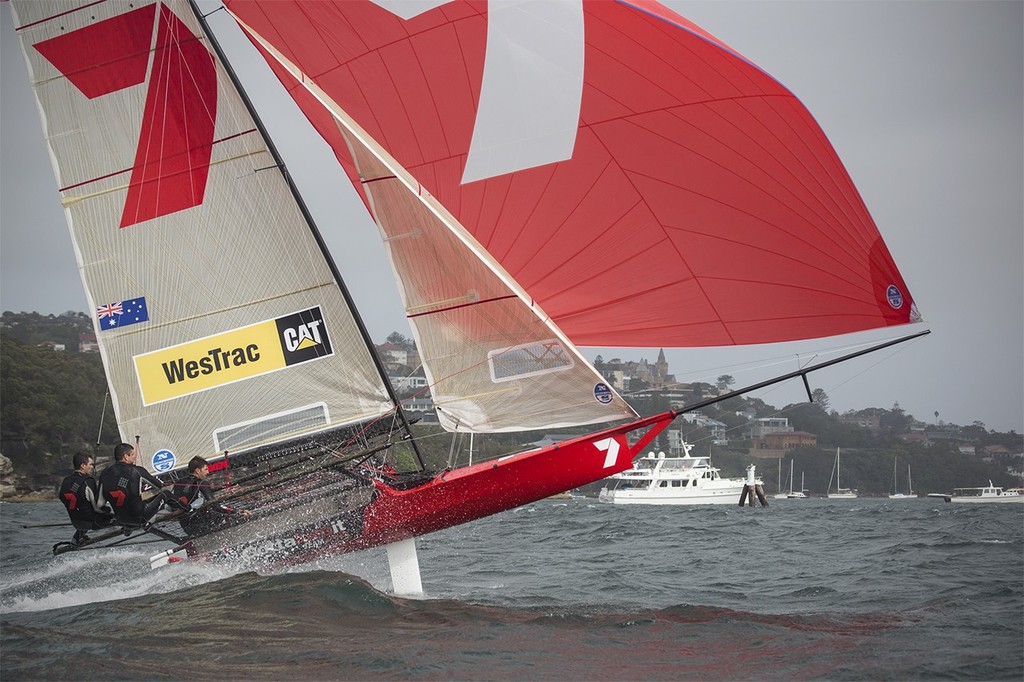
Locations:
{"points": [[121, 487], [193, 492], [80, 494]]}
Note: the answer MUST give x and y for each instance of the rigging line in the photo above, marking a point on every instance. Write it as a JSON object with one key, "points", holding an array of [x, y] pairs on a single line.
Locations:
{"points": [[279, 482], [103, 414], [785, 377], [68, 188], [747, 367], [888, 357], [221, 311], [448, 308], [59, 15], [78, 198], [138, 541]]}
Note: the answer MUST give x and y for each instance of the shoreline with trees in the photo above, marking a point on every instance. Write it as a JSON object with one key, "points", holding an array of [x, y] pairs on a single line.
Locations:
{"points": [[54, 403]]}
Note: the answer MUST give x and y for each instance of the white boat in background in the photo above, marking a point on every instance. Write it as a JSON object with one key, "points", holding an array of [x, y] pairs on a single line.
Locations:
{"points": [[896, 494], [781, 495], [791, 494], [686, 480], [840, 493], [797, 494], [989, 493]]}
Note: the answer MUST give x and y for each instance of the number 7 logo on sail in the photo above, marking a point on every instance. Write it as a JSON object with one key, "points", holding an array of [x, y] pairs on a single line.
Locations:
{"points": [[175, 143]]}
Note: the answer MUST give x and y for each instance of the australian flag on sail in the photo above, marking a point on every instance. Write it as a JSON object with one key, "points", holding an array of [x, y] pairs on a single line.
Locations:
{"points": [[123, 313]]}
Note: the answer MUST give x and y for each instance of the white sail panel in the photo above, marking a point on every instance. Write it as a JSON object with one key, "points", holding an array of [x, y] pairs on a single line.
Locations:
{"points": [[191, 247], [492, 363]]}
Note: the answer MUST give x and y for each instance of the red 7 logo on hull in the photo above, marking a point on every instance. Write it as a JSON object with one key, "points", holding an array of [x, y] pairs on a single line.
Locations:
{"points": [[172, 159]]}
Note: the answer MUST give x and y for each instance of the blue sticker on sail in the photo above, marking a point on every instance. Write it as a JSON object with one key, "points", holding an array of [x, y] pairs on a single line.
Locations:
{"points": [[163, 461], [123, 313], [895, 296], [603, 394]]}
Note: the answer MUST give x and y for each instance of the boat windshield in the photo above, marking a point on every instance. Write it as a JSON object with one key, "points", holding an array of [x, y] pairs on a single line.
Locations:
{"points": [[971, 492], [684, 464]]}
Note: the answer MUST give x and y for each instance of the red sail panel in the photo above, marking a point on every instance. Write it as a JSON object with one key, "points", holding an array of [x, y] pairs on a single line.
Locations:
{"points": [[702, 205], [173, 158], [104, 57]]}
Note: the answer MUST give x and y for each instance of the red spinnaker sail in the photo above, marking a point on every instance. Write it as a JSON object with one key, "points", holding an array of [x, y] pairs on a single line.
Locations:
{"points": [[698, 202]]}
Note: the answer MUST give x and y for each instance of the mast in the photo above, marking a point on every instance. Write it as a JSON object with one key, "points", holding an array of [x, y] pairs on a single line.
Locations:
{"points": [[838, 485], [310, 223]]}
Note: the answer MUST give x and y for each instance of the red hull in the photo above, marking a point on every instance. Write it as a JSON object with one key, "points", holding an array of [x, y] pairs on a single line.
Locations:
{"points": [[463, 495], [495, 486]]}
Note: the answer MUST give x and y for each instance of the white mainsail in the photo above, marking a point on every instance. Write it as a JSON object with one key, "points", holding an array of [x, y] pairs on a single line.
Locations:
{"points": [[220, 323]]}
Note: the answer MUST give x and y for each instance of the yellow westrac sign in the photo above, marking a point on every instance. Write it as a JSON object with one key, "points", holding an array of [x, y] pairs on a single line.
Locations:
{"points": [[232, 356]]}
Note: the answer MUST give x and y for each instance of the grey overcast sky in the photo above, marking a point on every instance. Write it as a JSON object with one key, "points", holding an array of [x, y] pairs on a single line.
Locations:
{"points": [[923, 100]]}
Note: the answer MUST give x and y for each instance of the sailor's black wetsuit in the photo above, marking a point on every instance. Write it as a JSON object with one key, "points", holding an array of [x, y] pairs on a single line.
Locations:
{"points": [[206, 516], [80, 495], [121, 487]]}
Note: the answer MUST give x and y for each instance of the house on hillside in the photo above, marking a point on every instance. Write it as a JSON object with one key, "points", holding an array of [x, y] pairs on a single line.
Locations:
{"points": [[392, 354], [917, 437], [871, 422], [762, 426], [408, 384], [87, 343], [717, 429], [785, 440]]}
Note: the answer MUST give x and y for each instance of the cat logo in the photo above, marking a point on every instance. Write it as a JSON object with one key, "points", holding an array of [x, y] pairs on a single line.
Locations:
{"points": [[304, 336]]}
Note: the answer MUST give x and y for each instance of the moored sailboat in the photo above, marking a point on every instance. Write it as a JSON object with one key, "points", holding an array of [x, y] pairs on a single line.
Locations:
{"points": [[790, 493], [798, 494], [240, 342], [896, 494], [840, 493]]}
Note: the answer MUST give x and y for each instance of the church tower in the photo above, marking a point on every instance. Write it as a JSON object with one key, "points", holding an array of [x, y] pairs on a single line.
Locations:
{"points": [[661, 366]]}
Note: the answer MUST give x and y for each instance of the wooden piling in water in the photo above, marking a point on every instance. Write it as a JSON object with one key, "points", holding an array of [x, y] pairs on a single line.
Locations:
{"points": [[751, 490]]}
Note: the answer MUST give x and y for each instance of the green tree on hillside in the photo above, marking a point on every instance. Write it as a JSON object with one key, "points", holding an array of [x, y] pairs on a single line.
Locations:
{"points": [[51, 402]]}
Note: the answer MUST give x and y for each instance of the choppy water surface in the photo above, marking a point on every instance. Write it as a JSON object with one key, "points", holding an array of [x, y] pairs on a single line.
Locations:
{"points": [[559, 590]]}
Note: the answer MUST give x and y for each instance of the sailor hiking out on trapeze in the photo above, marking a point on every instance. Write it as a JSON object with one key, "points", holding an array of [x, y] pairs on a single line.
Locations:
{"points": [[121, 486], [79, 493], [193, 493]]}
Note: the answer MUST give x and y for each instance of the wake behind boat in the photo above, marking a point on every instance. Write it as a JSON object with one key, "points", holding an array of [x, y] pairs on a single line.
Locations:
{"points": [[686, 480], [225, 327]]}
